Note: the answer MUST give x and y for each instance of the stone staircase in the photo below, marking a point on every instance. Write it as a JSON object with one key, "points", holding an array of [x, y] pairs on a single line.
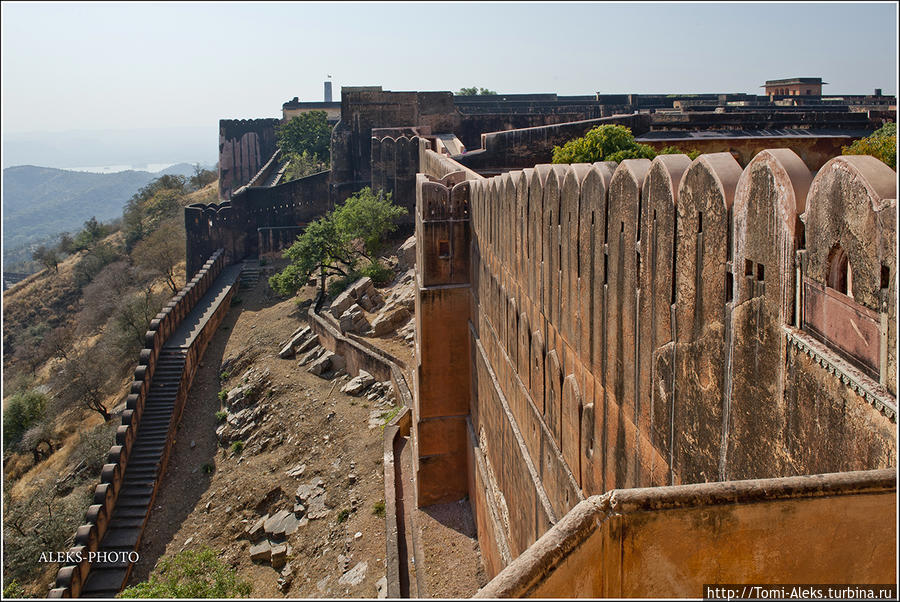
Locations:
{"points": [[250, 273], [138, 488]]}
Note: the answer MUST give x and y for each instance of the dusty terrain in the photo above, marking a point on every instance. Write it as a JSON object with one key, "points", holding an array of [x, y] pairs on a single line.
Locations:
{"points": [[211, 494]]}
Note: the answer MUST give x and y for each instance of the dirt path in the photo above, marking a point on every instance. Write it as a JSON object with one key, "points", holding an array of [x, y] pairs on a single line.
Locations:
{"points": [[306, 421], [210, 495]]}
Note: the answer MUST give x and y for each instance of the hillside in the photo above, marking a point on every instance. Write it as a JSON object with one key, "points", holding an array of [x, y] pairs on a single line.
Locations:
{"points": [[41, 202]]}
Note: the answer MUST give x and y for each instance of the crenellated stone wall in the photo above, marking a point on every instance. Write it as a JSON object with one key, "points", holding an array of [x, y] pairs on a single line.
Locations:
{"points": [[99, 520], [255, 220], [651, 323], [245, 145], [394, 164]]}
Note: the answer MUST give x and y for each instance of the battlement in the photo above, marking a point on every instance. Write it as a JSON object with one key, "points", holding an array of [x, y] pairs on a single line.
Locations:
{"points": [[649, 323]]}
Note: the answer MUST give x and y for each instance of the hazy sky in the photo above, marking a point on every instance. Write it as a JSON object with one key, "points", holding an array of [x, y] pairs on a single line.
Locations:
{"points": [[100, 66]]}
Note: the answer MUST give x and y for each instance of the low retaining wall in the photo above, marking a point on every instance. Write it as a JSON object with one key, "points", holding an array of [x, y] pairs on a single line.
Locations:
{"points": [[361, 355], [671, 541], [89, 536]]}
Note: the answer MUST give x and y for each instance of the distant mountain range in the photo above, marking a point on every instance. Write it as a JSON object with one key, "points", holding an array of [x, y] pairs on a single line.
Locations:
{"points": [[42, 202]]}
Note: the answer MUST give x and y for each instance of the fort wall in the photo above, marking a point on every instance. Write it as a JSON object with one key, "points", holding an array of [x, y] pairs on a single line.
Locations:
{"points": [[653, 324], [255, 220], [245, 145], [99, 519], [658, 542]]}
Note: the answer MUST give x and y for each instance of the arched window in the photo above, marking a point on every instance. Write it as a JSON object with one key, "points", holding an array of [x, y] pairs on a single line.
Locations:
{"points": [[840, 274]]}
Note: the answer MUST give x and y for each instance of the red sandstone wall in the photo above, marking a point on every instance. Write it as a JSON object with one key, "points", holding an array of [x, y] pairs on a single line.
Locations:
{"points": [[669, 542], [617, 339]]}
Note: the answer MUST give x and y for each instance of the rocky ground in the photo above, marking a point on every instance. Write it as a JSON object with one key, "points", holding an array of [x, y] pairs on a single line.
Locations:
{"points": [[278, 461]]}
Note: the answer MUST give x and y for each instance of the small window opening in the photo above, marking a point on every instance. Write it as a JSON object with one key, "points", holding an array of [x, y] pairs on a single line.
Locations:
{"points": [[885, 277], [748, 267], [760, 272], [729, 287], [801, 234], [699, 221], [840, 274]]}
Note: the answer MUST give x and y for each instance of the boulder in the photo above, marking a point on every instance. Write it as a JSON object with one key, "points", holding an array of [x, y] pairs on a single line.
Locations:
{"points": [[322, 364], [406, 254], [389, 320], [279, 555], [261, 552], [274, 522], [355, 386], [311, 355], [307, 345], [342, 303], [355, 575], [354, 320], [299, 338], [256, 532]]}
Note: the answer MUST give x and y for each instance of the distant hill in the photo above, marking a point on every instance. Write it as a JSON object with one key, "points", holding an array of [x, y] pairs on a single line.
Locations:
{"points": [[42, 202]]}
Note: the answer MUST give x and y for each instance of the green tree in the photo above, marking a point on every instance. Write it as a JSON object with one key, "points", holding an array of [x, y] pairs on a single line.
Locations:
{"points": [[603, 143], [475, 91], [92, 232], [307, 132], [302, 165], [191, 574], [319, 250], [23, 410], [332, 245], [202, 177], [367, 218], [882, 145], [161, 198]]}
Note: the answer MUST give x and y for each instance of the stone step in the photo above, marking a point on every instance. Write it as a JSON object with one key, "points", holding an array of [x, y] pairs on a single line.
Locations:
{"points": [[130, 512], [132, 501], [137, 490], [121, 537], [104, 583], [147, 453], [126, 522]]}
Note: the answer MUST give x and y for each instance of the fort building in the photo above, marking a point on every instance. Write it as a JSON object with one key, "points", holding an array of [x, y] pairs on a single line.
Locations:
{"points": [[795, 86], [643, 376], [685, 338]]}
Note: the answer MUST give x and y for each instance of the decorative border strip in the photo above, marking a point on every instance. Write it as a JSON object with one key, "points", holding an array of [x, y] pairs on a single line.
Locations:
{"points": [[875, 394]]}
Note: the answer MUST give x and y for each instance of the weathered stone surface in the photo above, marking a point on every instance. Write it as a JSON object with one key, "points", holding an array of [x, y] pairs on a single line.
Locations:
{"points": [[322, 364], [300, 338], [279, 555], [257, 530], [274, 521], [342, 303], [355, 575], [388, 320], [261, 552], [311, 355], [307, 344], [355, 386], [354, 320], [406, 254], [296, 471]]}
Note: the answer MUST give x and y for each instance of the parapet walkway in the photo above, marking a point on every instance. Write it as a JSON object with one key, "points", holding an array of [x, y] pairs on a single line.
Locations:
{"points": [[147, 461]]}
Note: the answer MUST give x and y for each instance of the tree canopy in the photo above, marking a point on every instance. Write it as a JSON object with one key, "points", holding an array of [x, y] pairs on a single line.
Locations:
{"points": [[333, 244], [306, 133], [475, 91], [609, 142], [882, 144]]}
